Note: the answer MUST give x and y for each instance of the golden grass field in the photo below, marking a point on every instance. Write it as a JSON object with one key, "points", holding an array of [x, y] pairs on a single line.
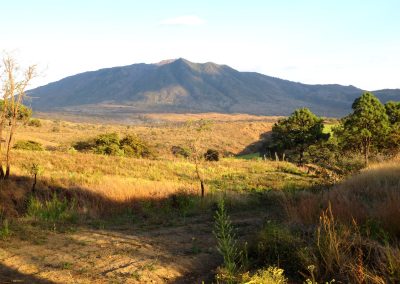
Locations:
{"points": [[130, 232]]}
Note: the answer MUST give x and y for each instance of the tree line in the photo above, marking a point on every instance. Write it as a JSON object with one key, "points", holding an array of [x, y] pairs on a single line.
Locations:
{"points": [[371, 128]]}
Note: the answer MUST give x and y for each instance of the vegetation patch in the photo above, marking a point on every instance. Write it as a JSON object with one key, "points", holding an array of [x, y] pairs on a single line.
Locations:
{"points": [[28, 145], [111, 144]]}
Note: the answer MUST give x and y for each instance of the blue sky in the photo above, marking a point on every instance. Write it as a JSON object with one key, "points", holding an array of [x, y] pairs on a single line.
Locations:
{"points": [[317, 42]]}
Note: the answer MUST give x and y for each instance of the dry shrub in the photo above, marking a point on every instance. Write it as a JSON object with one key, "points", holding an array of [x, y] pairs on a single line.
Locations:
{"points": [[303, 207], [373, 194], [346, 255]]}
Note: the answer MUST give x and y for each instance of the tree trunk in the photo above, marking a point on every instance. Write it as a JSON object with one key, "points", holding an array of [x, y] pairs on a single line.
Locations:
{"points": [[202, 188], [34, 184], [366, 152], [7, 175], [8, 150], [301, 157]]}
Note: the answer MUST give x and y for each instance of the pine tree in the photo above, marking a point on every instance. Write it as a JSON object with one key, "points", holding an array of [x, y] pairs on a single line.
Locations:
{"points": [[366, 127]]}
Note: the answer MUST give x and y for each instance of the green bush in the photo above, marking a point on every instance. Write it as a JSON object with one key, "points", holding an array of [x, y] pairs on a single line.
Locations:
{"points": [[35, 122], [133, 146], [28, 145], [211, 155], [276, 245], [111, 144], [107, 139], [53, 210]]}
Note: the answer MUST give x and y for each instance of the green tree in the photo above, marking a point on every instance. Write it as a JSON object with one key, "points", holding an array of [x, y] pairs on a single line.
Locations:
{"points": [[393, 111], [392, 143], [298, 132], [365, 127]]}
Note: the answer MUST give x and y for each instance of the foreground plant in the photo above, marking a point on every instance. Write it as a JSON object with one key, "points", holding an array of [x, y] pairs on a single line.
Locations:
{"points": [[226, 244]]}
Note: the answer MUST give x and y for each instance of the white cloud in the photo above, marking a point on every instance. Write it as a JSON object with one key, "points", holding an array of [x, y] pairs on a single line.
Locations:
{"points": [[186, 20]]}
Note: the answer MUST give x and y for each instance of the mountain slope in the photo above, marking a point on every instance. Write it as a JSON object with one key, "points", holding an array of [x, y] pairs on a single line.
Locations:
{"points": [[182, 86]]}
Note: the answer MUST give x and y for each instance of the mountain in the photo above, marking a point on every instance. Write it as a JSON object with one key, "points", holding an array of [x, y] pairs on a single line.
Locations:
{"points": [[182, 86]]}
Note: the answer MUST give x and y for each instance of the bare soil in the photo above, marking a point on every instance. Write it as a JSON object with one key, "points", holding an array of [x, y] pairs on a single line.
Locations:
{"points": [[183, 253]]}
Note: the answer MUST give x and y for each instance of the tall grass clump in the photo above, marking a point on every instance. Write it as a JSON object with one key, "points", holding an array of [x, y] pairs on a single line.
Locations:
{"points": [[53, 211]]}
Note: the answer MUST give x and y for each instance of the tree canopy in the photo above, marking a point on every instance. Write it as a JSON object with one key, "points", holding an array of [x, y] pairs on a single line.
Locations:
{"points": [[297, 132], [366, 127]]}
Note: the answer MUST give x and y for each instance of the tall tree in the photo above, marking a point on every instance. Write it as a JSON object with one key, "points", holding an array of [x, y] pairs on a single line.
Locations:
{"points": [[393, 111], [13, 92], [365, 127], [298, 132], [392, 143]]}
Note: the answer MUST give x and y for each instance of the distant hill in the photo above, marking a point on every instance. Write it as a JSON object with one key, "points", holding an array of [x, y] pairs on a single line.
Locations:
{"points": [[181, 86]]}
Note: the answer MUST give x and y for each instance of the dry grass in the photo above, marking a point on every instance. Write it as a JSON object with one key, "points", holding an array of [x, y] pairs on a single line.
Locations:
{"points": [[109, 182], [225, 136], [357, 235]]}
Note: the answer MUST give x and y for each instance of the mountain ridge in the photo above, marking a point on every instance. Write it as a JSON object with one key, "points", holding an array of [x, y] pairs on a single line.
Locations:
{"points": [[178, 85]]}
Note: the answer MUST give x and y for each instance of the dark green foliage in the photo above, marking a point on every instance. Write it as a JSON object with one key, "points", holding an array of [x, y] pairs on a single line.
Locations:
{"points": [[84, 146], [295, 134], [393, 111], [35, 122], [392, 144], [181, 151], [211, 155], [365, 128], [107, 144], [276, 245], [111, 144], [28, 145]]}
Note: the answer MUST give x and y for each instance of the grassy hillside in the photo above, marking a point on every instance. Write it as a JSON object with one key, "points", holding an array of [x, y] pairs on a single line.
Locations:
{"points": [[130, 220]]}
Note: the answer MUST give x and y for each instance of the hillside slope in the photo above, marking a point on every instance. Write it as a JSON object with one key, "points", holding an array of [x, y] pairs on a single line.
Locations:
{"points": [[182, 86]]}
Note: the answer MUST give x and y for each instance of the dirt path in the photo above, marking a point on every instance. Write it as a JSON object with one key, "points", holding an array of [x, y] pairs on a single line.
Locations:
{"points": [[181, 254]]}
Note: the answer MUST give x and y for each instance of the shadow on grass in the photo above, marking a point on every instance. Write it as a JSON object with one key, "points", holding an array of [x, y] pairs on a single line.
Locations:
{"points": [[9, 275], [257, 146], [183, 246]]}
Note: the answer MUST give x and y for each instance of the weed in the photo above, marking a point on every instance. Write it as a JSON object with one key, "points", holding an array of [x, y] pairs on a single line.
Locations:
{"points": [[226, 244], [53, 211], [5, 229], [270, 275]]}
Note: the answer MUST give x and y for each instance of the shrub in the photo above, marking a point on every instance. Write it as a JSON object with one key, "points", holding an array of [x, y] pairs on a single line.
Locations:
{"points": [[112, 150], [28, 145], [180, 151], [111, 144], [35, 122], [83, 146], [133, 146], [107, 139], [211, 155], [276, 245]]}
